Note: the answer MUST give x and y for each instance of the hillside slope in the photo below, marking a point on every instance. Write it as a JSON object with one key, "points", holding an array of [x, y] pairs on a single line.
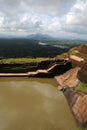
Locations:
{"points": [[73, 79]]}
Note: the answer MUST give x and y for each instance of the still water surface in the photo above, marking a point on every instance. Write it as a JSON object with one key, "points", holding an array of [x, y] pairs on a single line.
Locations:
{"points": [[33, 104]]}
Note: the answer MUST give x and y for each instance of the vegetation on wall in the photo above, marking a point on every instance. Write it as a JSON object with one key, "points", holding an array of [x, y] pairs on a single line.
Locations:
{"points": [[22, 60], [82, 87]]}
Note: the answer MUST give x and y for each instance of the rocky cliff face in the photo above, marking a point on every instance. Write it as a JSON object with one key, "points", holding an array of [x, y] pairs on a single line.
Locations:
{"points": [[68, 79], [82, 73], [72, 78], [80, 51], [77, 100], [82, 48], [80, 59], [78, 105]]}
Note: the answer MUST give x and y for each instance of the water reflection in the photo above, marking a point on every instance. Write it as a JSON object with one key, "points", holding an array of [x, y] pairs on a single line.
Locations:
{"points": [[33, 104]]}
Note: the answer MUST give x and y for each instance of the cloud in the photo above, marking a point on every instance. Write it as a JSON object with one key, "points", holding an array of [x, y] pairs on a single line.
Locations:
{"points": [[48, 6], [78, 14], [59, 18], [44, 5], [75, 21]]}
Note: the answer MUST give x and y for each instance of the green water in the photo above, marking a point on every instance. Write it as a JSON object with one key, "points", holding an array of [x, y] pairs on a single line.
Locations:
{"points": [[33, 104]]}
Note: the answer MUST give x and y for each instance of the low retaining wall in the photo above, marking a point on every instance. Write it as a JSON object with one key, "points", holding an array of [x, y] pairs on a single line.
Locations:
{"points": [[48, 70]]}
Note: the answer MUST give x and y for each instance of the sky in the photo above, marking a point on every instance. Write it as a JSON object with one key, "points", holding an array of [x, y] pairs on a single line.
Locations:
{"points": [[59, 18]]}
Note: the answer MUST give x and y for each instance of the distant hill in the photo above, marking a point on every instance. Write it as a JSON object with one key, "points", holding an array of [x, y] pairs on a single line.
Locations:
{"points": [[40, 37], [45, 37]]}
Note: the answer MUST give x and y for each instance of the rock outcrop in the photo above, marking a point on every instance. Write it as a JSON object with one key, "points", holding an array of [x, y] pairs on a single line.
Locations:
{"points": [[80, 51], [83, 48], [77, 100], [82, 73], [68, 79], [78, 105]]}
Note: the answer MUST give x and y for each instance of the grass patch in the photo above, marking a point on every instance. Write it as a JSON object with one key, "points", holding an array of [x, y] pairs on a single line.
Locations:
{"points": [[73, 52], [22, 60], [82, 87]]}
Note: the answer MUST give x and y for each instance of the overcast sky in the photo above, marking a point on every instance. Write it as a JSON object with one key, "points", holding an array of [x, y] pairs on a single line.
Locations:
{"points": [[61, 18]]}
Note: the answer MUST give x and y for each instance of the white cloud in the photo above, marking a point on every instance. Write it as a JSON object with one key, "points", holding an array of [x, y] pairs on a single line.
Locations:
{"points": [[78, 14], [60, 18]]}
